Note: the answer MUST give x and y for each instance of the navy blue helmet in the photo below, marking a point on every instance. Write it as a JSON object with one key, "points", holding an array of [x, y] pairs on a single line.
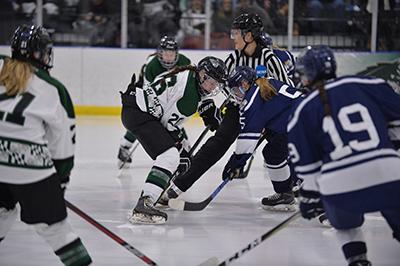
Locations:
{"points": [[316, 63], [33, 44], [241, 73], [265, 39]]}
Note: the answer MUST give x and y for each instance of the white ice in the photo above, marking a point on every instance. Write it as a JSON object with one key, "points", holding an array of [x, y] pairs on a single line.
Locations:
{"points": [[227, 225]]}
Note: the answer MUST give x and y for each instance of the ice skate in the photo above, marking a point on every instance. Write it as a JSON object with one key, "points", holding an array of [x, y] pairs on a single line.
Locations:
{"points": [[279, 202], [145, 213]]}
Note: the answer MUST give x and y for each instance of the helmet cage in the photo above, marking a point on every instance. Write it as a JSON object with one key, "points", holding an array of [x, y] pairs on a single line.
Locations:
{"points": [[236, 79], [215, 75], [167, 44]]}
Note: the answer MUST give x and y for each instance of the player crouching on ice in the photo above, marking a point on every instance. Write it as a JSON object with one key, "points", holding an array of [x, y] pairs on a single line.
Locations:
{"points": [[265, 104], [155, 115]]}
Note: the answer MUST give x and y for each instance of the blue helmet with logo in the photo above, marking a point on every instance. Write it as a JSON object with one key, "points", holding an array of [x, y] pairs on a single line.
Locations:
{"points": [[241, 73], [316, 63]]}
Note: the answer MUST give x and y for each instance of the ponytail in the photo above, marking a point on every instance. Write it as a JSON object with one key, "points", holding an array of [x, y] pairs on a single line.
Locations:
{"points": [[324, 98], [267, 91], [15, 75]]}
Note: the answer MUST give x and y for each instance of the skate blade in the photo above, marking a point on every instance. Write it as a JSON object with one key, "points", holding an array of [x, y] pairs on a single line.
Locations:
{"points": [[281, 208], [140, 218]]}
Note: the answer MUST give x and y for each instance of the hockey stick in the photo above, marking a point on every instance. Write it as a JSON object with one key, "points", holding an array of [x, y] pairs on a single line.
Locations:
{"points": [[181, 205], [212, 261], [113, 236], [130, 154], [191, 151]]}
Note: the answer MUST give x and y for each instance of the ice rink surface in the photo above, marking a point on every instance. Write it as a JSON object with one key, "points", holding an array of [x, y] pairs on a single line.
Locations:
{"points": [[227, 225]]}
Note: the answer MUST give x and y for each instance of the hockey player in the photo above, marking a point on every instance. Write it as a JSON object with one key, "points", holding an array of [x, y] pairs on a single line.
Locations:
{"points": [[37, 137], [155, 113], [285, 56], [339, 144], [166, 58], [265, 105], [249, 51]]}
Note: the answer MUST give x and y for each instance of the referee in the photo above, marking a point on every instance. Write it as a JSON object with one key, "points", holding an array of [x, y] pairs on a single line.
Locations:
{"points": [[249, 51]]}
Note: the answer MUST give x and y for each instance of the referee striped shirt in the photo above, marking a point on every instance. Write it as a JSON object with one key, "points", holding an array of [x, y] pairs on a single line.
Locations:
{"points": [[262, 56]]}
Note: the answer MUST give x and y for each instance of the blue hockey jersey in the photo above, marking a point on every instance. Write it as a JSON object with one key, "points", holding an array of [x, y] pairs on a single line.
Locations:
{"points": [[351, 149], [287, 60], [256, 114]]}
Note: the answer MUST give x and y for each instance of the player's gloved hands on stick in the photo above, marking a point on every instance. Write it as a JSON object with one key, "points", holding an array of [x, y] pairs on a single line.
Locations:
{"points": [[64, 181], [184, 163], [234, 167], [310, 203], [210, 114]]}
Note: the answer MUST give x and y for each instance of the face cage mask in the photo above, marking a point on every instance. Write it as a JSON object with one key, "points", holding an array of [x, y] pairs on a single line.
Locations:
{"points": [[165, 64], [237, 94], [217, 87]]}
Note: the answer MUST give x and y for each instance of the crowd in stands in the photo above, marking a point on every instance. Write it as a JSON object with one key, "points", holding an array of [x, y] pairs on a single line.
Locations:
{"points": [[98, 22]]}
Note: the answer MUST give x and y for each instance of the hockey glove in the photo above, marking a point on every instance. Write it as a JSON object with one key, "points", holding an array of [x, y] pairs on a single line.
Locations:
{"points": [[234, 167], [64, 181], [184, 163], [210, 114], [310, 204]]}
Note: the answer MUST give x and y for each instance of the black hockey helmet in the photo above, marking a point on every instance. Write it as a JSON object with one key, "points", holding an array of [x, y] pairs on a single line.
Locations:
{"points": [[167, 44], [249, 23], [214, 68], [33, 44]]}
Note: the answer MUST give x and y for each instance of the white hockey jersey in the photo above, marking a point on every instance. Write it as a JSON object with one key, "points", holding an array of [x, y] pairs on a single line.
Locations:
{"points": [[173, 99], [37, 131]]}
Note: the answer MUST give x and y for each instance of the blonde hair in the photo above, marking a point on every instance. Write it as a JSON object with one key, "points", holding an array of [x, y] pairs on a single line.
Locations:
{"points": [[267, 91], [15, 76]]}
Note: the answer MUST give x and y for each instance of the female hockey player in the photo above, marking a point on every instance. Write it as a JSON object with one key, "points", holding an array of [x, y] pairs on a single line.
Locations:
{"points": [[155, 113], [37, 136], [166, 58], [249, 51], [265, 105], [339, 144]]}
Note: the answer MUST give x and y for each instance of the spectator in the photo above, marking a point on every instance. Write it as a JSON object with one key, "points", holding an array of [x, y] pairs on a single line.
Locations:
{"points": [[161, 18], [96, 21], [222, 18], [192, 25]]}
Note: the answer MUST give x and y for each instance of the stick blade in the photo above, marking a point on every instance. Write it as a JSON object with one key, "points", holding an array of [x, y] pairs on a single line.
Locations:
{"points": [[176, 204], [213, 261]]}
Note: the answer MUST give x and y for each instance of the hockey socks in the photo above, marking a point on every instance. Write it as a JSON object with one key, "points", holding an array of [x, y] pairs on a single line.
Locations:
{"points": [[74, 254]]}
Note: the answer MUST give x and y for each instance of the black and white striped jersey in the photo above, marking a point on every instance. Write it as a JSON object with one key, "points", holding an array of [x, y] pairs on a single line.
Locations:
{"points": [[262, 56]]}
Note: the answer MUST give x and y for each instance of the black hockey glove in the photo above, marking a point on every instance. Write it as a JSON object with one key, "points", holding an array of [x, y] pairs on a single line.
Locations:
{"points": [[64, 181], [310, 204], [184, 163], [210, 114], [234, 167]]}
